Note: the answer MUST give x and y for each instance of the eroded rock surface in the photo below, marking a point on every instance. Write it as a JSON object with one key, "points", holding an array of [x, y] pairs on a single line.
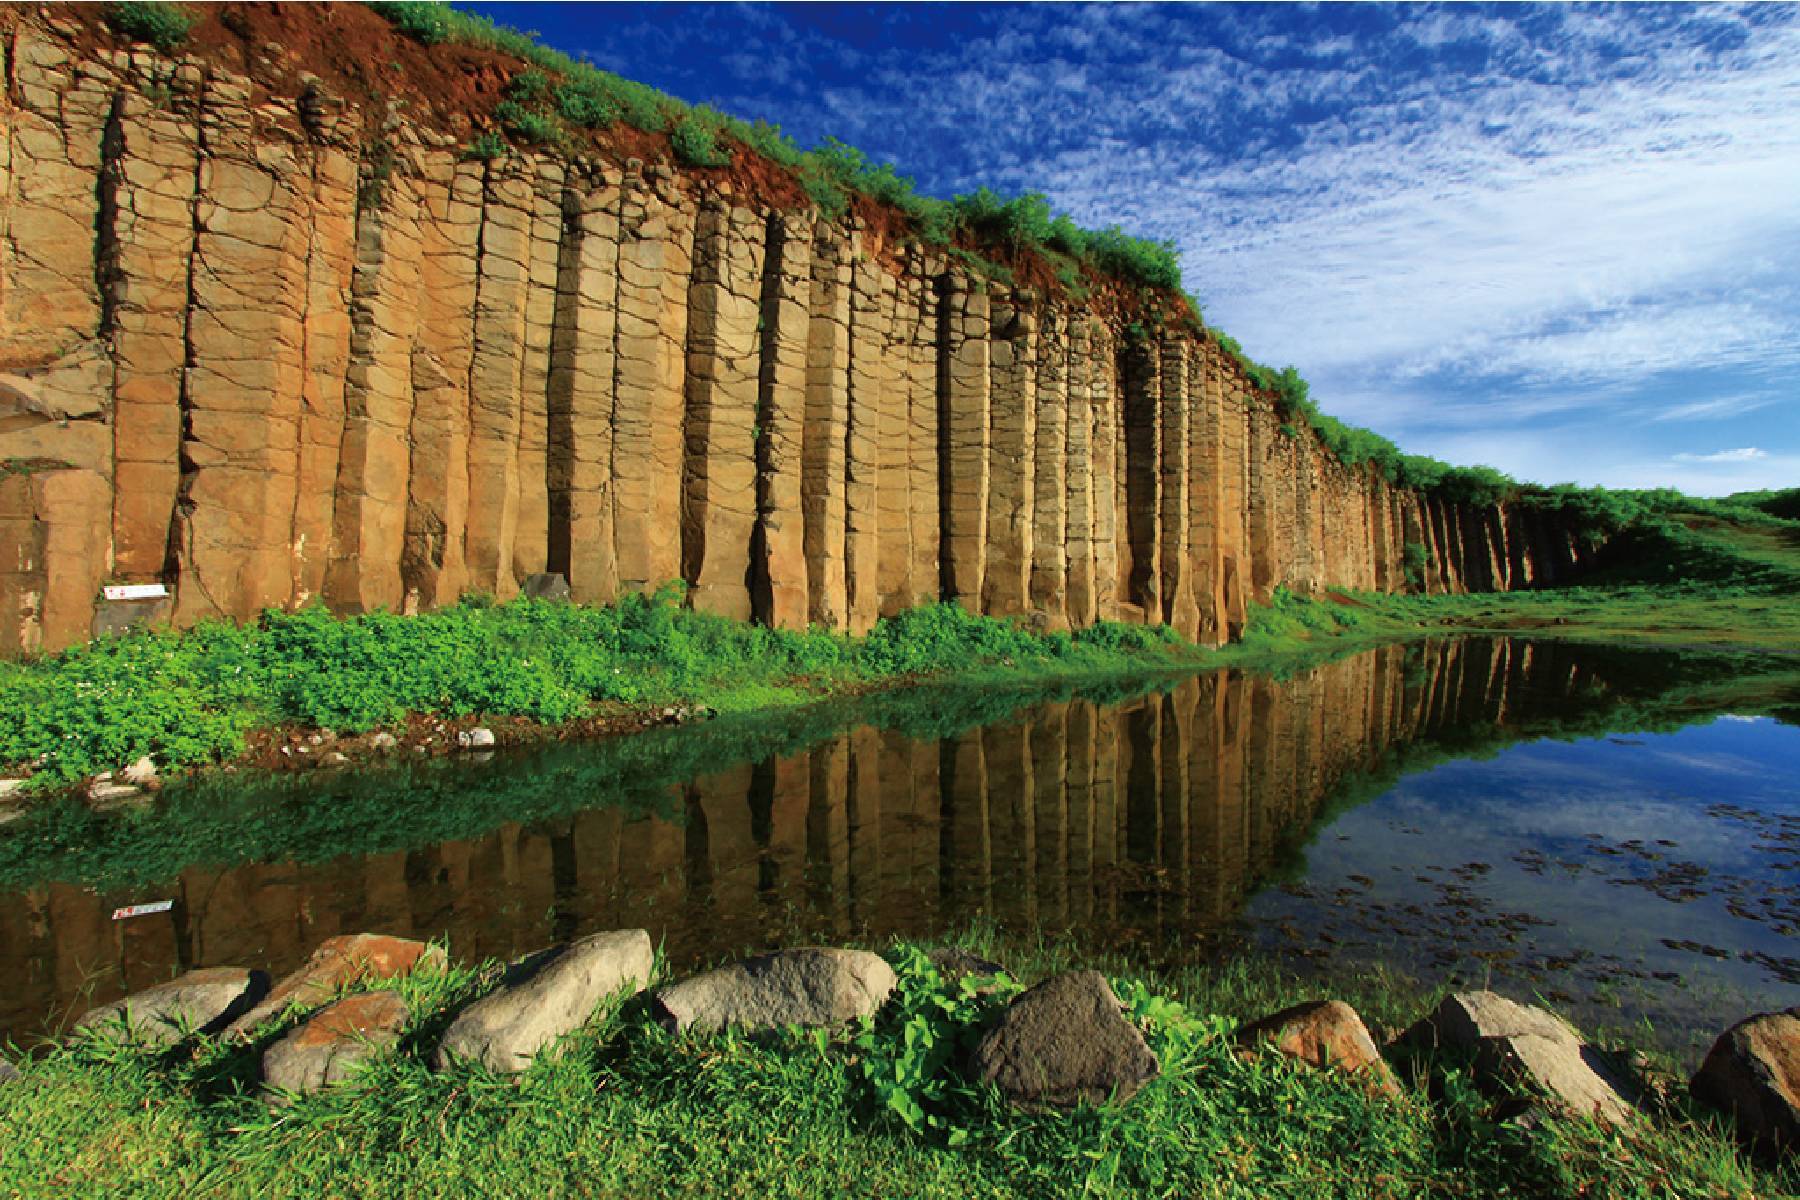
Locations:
{"points": [[338, 962], [1753, 1073], [325, 1047], [545, 996], [203, 1001], [810, 986], [1519, 1044], [1064, 1042], [1325, 1034]]}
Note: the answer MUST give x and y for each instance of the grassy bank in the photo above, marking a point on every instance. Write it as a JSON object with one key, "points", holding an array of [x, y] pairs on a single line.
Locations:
{"points": [[192, 697], [629, 1110]]}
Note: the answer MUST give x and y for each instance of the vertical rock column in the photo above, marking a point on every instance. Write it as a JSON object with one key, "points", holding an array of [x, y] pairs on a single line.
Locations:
{"points": [[869, 319], [1205, 497], [583, 369], [1178, 606], [243, 381], [897, 319], [330, 276], [1012, 426], [1141, 371], [151, 174], [531, 531], [1082, 471], [963, 402], [827, 419], [1103, 397], [723, 360], [432, 568], [1050, 557], [922, 430], [778, 569], [655, 256]]}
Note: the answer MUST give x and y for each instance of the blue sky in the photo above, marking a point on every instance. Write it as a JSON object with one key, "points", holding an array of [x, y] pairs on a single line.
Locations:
{"points": [[1563, 241]]}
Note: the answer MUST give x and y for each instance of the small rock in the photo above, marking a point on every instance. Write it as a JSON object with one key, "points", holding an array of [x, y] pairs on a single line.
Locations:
{"points": [[338, 961], [336, 758], [480, 737], [203, 1002], [103, 792], [315, 740], [1753, 1073], [1517, 1043], [545, 587], [8, 1072], [1325, 1034], [545, 996], [141, 773], [344, 1033], [810, 986], [1065, 1042], [384, 741]]}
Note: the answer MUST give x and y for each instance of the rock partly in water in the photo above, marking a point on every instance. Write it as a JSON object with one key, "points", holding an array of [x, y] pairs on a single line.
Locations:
{"points": [[324, 1048], [809, 986], [478, 738], [1753, 1073], [1518, 1044], [1064, 1042], [342, 960], [1325, 1034], [544, 997], [204, 1001], [104, 792], [141, 773], [384, 741]]}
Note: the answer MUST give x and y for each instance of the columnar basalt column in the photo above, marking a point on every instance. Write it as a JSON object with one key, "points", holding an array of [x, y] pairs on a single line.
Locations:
{"points": [[827, 420], [963, 401], [868, 339], [780, 572], [1051, 478], [1140, 372], [1178, 605], [1082, 472], [1012, 426]]}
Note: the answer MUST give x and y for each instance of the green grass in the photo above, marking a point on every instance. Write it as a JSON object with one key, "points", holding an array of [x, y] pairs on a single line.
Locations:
{"points": [[192, 697], [628, 1110]]}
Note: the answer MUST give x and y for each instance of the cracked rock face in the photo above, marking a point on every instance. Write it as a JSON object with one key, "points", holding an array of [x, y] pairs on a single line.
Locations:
{"points": [[199, 1002], [810, 987], [545, 996], [1753, 1073], [1520, 1044], [1065, 1042]]}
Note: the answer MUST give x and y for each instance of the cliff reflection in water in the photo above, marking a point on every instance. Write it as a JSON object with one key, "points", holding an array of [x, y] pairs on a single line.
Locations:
{"points": [[1149, 818]]}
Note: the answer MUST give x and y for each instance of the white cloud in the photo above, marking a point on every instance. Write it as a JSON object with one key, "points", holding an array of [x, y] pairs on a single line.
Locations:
{"points": [[1746, 454]]}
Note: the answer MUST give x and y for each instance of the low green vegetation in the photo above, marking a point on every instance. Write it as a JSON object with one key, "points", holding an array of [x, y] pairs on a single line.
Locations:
{"points": [[191, 697], [161, 24], [879, 1108]]}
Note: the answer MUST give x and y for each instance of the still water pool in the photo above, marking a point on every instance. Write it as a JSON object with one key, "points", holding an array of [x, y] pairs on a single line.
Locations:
{"points": [[1617, 830]]}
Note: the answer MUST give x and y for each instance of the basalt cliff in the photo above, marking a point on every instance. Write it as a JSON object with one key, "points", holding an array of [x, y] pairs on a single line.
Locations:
{"points": [[256, 353]]}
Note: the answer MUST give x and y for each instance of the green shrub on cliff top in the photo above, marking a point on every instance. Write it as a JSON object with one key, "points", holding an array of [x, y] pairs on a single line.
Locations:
{"points": [[162, 25]]}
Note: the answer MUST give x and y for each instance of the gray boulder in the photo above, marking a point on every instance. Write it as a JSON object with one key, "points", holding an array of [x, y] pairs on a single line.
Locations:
{"points": [[1065, 1042], [203, 1002], [1753, 1073], [323, 1049], [545, 587], [544, 997], [810, 986], [1518, 1044], [8, 1072], [478, 738]]}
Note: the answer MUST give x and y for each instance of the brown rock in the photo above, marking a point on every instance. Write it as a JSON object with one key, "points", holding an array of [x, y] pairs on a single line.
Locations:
{"points": [[338, 1037], [1325, 1034], [1753, 1073], [338, 962], [1065, 1042]]}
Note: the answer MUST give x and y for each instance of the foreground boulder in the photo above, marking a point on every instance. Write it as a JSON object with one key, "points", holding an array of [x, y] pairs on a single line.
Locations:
{"points": [[204, 1001], [8, 1072], [322, 1050], [810, 986], [1517, 1044], [339, 961], [1324, 1034], [1065, 1042], [544, 997], [1753, 1073]]}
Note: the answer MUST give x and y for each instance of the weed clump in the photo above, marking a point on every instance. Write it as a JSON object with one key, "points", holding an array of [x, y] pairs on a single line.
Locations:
{"points": [[163, 25]]}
